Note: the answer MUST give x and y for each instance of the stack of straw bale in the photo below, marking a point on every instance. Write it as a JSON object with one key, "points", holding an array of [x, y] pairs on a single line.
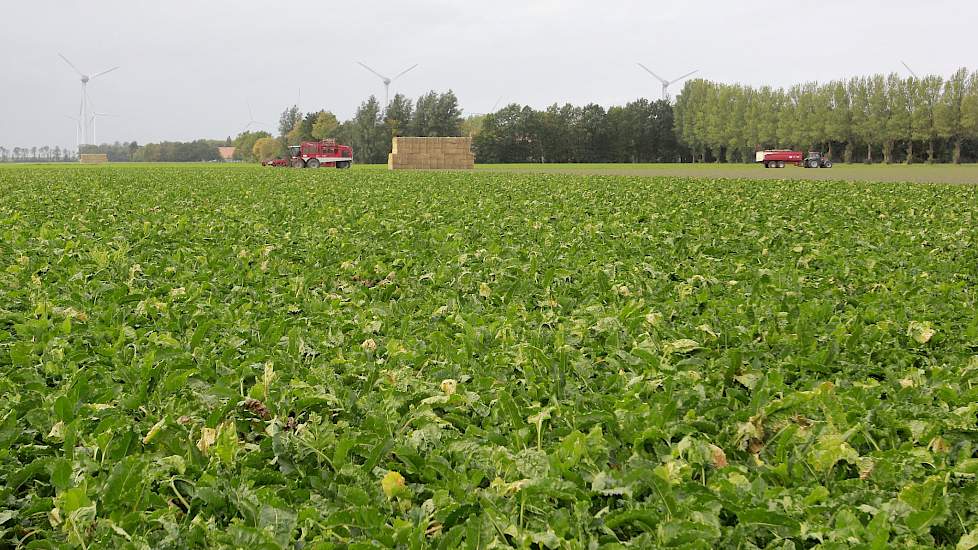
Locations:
{"points": [[431, 153], [93, 158]]}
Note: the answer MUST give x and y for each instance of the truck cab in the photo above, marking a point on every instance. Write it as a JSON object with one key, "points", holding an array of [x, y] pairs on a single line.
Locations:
{"points": [[815, 159]]}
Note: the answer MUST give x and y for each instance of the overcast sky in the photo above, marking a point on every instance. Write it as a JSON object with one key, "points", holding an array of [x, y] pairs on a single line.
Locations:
{"points": [[190, 68]]}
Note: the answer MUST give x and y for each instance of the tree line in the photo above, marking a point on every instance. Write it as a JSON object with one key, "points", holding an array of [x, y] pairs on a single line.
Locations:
{"points": [[200, 150], [44, 153], [640, 131], [878, 117]]}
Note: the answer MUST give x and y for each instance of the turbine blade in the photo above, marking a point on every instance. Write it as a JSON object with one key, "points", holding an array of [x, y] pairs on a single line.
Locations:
{"points": [[496, 104], [382, 77], [691, 73], [72, 65], [909, 69], [405, 71], [102, 73], [648, 70]]}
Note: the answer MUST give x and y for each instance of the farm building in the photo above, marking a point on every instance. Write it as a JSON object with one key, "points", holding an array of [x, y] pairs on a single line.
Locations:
{"points": [[227, 153]]}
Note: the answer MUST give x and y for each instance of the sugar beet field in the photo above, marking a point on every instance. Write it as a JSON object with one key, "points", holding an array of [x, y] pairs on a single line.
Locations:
{"points": [[255, 358]]}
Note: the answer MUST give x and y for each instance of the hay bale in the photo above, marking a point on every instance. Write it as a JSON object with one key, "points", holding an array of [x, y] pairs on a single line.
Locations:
{"points": [[431, 153], [93, 158]]}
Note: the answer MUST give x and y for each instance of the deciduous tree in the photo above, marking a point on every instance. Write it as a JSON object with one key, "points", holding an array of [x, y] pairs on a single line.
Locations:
{"points": [[267, 148]]}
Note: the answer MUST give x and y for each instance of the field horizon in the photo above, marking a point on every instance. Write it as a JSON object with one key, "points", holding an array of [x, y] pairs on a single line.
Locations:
{"points": [[856, 172]]}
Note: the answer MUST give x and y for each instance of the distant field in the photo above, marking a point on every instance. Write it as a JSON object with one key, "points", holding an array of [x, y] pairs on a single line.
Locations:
{"points": [[920, 173]]}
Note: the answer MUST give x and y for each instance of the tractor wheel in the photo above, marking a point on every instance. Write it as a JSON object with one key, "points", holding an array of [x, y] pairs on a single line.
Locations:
{"points": [[813, 164], [828, 164], [780, 164], [297, 163], [313, 163], [343, 164]]}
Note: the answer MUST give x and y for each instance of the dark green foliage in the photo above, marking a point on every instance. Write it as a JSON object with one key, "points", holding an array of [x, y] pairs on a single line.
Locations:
{"points": [[641, 131]]}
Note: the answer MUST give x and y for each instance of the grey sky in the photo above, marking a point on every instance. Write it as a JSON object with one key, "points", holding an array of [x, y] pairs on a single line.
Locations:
{"points": [[189, 68]]}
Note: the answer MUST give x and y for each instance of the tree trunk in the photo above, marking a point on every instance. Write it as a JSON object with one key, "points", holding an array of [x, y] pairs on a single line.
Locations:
{"points": [[910, 152], [869, 153], [930, 151], [847, 155], [957, 150], [887, 151], [828, 153]]}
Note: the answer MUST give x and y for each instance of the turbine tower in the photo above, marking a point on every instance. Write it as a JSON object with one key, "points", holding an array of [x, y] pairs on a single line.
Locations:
{"points": [[666, 83], [86, 118], [387, 81], [94, 116]]}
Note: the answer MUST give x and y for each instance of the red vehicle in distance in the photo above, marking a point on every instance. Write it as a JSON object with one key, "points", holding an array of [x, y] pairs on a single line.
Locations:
{"points": [[313, 154], [778, 158]]}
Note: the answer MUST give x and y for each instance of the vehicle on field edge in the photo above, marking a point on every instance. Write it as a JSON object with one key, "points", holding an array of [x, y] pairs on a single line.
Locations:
{"points": [[778, 158], [315, 154]]}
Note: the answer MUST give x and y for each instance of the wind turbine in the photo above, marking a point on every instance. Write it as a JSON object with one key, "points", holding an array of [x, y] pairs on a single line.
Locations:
{"points": [[387, 81], [666, 83], [251, 120], [913, 74], [83, 108]]}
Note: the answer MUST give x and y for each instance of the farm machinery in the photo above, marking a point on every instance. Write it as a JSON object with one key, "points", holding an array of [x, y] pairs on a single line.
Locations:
{"points": [[778, 158], [313, 154]]}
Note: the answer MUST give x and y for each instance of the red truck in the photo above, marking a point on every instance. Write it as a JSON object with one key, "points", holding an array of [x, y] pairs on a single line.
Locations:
{"points": [[313, 154], [777, 158]]}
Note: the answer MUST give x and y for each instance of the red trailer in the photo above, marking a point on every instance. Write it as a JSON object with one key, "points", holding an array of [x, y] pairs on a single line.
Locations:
{"points": [[313, 154], [778, 158]]}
